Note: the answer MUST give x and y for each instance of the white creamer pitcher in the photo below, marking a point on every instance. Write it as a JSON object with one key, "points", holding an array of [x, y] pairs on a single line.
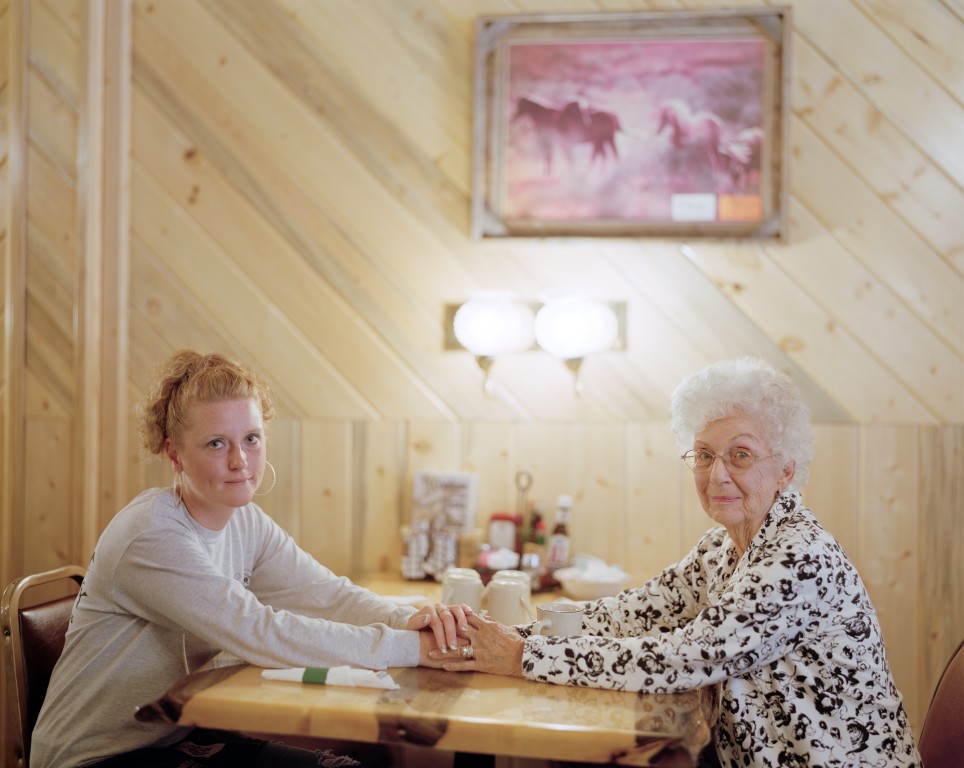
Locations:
{"points": [[508, 601], [462, 585]]}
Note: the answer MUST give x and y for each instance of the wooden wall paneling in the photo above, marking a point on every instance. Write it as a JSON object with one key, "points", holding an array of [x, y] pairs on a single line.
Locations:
{"points": [[53, 124], [13, 111], [48, 506], [113, 212], [653, 502], [419, 88], [828, 352], [833, 490], [709, 326], [598, 526], [371, 133], [326, 525], [283, 500], [12, 301], [143, 470], [274, 266], [89, 285], [51, 535], [383, 466], [889, 162], [259, 327], [6, 63], [925, 364], [941, 542], [56, 218], [892, 81], [888, 556], [49, 353], [489, 450], [544, 388], [627, 377], [585, 462], [894, 254], [929, 35], [417, 318], [48, 372], [294, 139], [55, 34], [51, 275], [433, 445], [546, 450], [165, 317], [140, 470]]}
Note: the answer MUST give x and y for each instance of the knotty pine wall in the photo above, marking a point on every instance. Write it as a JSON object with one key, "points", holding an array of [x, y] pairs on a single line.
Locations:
{"points": [[288, 181]]}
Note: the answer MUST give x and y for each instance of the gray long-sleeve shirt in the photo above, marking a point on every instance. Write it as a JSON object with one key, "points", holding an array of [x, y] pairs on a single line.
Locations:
{"points": [[163, 595]]}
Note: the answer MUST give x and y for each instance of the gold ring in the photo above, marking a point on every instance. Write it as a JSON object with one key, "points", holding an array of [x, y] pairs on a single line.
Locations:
{"points": [[467, 651], [444, 610]]}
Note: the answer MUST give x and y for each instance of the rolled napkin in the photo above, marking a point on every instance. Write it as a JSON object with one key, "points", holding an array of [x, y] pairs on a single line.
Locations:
{"points": [[355, 678]]}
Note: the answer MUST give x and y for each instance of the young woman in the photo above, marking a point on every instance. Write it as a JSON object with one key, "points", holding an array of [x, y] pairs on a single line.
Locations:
{"points": [[185, 572]]}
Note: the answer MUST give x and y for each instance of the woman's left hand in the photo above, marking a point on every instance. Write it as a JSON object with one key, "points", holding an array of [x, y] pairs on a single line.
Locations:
{"points": [[445, 621], [495, 648]]}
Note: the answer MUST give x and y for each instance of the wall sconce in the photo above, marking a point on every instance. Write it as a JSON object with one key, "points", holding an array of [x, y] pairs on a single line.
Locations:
{"points": [[490, 326], [567, 327], [572, 327]]}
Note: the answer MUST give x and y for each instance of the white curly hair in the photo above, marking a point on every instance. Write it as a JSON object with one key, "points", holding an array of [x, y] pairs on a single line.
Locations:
{"points": [[751, 386]]}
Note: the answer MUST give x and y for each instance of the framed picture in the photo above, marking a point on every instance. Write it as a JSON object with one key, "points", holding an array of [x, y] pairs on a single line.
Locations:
{"points": [[643, 124]]}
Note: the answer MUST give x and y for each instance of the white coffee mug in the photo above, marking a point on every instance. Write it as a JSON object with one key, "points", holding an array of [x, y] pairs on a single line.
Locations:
{"points": [[559, 619], [507, 601], [462, 585], [521, 576]]}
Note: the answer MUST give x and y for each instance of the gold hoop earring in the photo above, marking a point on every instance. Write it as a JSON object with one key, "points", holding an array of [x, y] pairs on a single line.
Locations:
{"points": [[174, 487], [274, 479]]}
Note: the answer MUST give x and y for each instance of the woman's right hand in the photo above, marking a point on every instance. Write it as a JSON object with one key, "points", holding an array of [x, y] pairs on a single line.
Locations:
{"points": [[441, 621], [429, 654]]}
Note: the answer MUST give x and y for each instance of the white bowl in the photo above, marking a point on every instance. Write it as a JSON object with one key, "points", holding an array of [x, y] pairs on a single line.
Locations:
{"points": [[581, 585]]}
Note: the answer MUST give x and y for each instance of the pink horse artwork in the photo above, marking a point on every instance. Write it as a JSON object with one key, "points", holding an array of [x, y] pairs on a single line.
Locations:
{"points": [[561, 130], [697, 132], [740, 157]]}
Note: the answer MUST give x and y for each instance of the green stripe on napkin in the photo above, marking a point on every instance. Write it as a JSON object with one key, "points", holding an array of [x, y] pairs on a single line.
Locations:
{"points": [[315, 675]]}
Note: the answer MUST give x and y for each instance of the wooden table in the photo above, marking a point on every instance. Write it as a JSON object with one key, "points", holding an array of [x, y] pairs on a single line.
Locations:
{"points": [[464, 713]]}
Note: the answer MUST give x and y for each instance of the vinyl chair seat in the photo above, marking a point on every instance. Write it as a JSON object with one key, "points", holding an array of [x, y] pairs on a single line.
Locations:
{"points": [[33, 639], [941, 742]]}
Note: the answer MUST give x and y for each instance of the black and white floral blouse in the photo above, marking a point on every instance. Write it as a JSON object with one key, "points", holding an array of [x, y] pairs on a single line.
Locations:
{"points": [[787, 631]]}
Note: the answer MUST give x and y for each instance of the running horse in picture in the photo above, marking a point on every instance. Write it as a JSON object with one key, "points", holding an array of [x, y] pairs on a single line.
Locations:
{"points": [[741, 155], [561, 130], [697, 132]]}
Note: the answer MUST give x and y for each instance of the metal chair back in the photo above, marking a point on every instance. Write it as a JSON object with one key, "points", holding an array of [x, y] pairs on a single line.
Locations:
{"points": [[33, 639]]}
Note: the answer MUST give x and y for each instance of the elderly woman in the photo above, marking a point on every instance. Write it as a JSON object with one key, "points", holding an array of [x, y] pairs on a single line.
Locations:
{"points": [[766, 605]]}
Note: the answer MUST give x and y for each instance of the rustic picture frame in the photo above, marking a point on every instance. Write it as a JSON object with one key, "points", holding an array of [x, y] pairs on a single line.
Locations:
{"points": [[643, 124]]}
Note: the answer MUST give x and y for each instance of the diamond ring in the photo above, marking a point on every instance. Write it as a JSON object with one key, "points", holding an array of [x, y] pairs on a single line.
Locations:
{"points": [[467, 651]]}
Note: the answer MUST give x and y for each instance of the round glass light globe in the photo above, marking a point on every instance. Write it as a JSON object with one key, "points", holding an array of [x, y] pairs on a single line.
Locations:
{"points": [[489, 327], [571, 327]]}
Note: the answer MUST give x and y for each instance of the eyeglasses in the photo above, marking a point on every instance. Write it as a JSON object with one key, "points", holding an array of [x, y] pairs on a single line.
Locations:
{"points": [[736, 459]]}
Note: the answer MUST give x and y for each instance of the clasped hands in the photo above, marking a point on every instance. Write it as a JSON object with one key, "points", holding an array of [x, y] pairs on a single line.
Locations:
{"points": [[457, 639]]}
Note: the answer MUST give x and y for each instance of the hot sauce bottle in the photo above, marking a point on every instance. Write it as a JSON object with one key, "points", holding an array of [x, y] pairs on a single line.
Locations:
{"points": [[559, 545]]}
